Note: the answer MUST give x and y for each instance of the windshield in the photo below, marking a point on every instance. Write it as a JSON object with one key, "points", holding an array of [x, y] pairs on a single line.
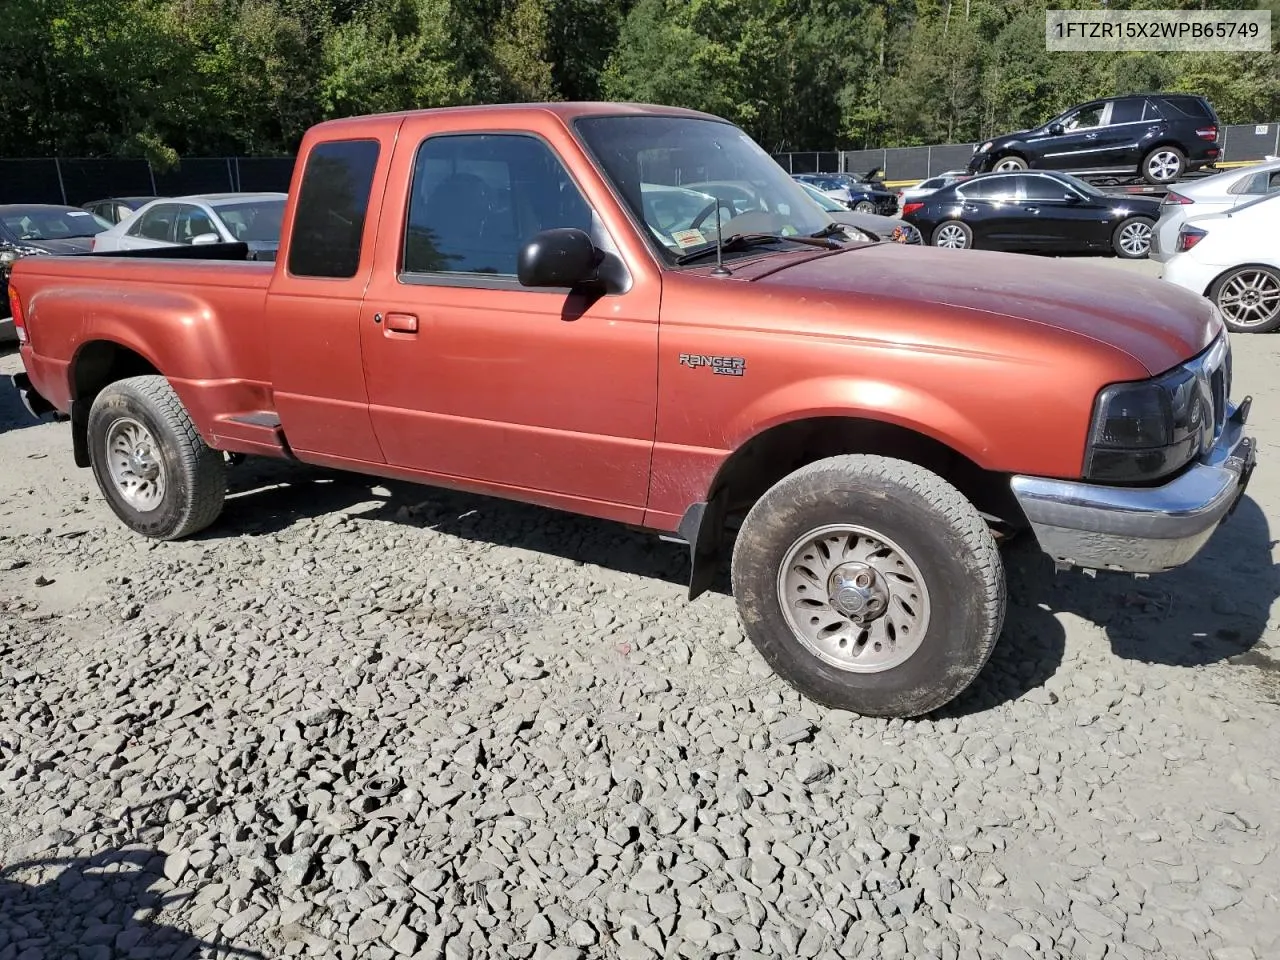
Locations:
{"points": [[665, 166], [821, 199], [34, 223], [256, 220]]}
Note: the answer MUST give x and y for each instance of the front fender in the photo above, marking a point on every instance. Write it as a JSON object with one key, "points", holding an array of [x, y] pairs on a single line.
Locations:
{"points": [[902, 405]]}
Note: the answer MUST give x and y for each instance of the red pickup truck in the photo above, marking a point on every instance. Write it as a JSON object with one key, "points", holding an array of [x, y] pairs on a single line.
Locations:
{"points": [[632, 312]]}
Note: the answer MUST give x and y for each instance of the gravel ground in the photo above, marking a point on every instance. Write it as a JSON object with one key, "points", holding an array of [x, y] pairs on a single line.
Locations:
{"points": [[356, 720]]}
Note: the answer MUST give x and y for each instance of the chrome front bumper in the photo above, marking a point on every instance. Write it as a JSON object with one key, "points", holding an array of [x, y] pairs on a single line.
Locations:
{"points": [[1141, 529]]}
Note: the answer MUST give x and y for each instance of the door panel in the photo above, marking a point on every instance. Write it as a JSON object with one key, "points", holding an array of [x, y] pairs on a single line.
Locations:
{"points": [[314, 301], [538, 390]]}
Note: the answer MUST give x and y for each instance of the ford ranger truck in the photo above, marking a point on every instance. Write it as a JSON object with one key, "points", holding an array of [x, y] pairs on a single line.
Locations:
{"points": [[632, 312]]}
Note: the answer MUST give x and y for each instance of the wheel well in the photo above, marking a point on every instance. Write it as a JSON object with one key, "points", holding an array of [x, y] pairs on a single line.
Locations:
{"points": [[768, 457], [96, 365], [1233, 269]]}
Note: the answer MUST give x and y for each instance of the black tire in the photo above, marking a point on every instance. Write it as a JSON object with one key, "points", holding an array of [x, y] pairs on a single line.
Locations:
{"points": [[964, 228], [194, 474], [936, 528], [1269, 276], [1009, 163], [864, 206], [1130, 224], [1169, 174]]}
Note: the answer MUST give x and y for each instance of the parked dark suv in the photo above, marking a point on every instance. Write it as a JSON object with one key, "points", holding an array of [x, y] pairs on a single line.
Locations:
{"points": [[1157, 136]]}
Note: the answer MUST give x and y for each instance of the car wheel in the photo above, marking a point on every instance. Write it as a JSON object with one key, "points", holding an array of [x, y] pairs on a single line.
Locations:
{"points": [[1131, 238], [870, 584], [952, 235], [1005, 164], [152, 466], [1249, 298], [864, 206], [1163, 165]]}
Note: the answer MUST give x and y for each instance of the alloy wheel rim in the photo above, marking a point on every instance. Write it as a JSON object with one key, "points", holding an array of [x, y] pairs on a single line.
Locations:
{"points": [[952, 237], [853, 598], [1008, 164], [1250, 298], [1163, 166], [135, 465], [1135, 238]]}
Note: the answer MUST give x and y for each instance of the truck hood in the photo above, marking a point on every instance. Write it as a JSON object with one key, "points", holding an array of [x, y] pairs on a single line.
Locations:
{"points": [[1155, 322]]}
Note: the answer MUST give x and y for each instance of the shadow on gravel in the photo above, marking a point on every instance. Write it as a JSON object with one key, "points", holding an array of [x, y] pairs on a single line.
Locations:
{"points": [[13, 415], [94, 907], [1213, 609], [268, 496]]}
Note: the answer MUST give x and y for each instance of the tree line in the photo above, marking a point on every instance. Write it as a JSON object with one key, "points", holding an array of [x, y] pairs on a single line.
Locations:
{"points": [[164, 79]]}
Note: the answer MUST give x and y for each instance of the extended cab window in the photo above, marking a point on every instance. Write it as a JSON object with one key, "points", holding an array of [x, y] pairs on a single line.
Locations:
{"points": [[333, 202], [477, 198]]}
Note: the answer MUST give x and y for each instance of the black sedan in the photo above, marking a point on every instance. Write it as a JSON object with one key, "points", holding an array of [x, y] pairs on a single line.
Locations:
{"points": [[38, 228], [1034, 212]]}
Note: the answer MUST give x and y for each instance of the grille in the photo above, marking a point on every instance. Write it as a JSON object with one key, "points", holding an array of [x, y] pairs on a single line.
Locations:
{"points": [[1212, 370]]}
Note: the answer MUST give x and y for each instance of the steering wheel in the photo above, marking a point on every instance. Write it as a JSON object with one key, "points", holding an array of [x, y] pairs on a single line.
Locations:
{"points": [[709, 210]]}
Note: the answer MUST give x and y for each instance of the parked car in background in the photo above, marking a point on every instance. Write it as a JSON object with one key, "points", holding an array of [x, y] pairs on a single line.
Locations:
{"points": [[873, 224], [251, 218], [115, 209], [855, 195], [1034, 212], [929, 185], [1157, 136], [31, 229], [1233, 258], [1213, 194]]}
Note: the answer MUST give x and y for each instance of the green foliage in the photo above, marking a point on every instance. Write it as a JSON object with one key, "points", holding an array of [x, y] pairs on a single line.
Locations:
{"points": [[169, 78]]}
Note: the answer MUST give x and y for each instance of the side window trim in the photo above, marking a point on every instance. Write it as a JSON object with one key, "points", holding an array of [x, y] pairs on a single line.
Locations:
{"points": [[481, 281]]}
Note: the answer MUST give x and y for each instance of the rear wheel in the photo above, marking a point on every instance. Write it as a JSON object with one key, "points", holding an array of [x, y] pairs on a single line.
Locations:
{"points": [[1163, 165], [151, 464], [870, 584], [1131, 238], [953, 235], [1249, 298]]}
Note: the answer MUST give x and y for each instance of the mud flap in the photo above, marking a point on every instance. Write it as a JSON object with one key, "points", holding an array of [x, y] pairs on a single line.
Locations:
{"points": [[702, 527]]}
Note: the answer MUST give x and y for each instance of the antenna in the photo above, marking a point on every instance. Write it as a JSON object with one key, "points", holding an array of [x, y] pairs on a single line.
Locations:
{"points": [[720, 270]]}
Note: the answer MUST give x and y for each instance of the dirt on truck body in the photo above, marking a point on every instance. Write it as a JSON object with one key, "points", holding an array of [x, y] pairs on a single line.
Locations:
{"points": [[632, 312]]}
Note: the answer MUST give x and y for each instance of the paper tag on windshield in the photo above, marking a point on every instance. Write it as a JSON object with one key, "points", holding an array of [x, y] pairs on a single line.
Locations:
{"points": [[688, 238], [76, 213]]}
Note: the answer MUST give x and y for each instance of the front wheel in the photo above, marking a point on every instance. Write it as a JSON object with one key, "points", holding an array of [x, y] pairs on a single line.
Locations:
{"points": [[1007, 164], [151, 464], [1249, 298], [1131, 238], [864, 206], [870, 585], [953, 235]]}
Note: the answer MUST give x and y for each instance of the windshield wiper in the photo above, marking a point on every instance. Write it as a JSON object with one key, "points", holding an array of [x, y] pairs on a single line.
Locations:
{"points": [[743, 241]]}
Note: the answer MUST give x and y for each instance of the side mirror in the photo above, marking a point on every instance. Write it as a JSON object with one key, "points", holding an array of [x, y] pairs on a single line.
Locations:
{"points": [[561, 257], [1056, 130], [1071, 197], [205, 238]]}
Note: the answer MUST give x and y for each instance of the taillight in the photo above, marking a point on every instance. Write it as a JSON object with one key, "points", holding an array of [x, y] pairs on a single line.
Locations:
{"points": [[1207, 133], [1172, 198], [19, 321], [908, 208], [1188, 237]]}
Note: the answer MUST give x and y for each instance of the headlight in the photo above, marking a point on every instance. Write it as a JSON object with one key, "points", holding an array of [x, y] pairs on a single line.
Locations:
{"points": [[10, 254], [985, 147], [1147, 430]]}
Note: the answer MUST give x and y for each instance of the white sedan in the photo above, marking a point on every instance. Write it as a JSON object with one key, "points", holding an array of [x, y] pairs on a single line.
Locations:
{"points": [[251, 218], [1214, 194], [1233, 258]]}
